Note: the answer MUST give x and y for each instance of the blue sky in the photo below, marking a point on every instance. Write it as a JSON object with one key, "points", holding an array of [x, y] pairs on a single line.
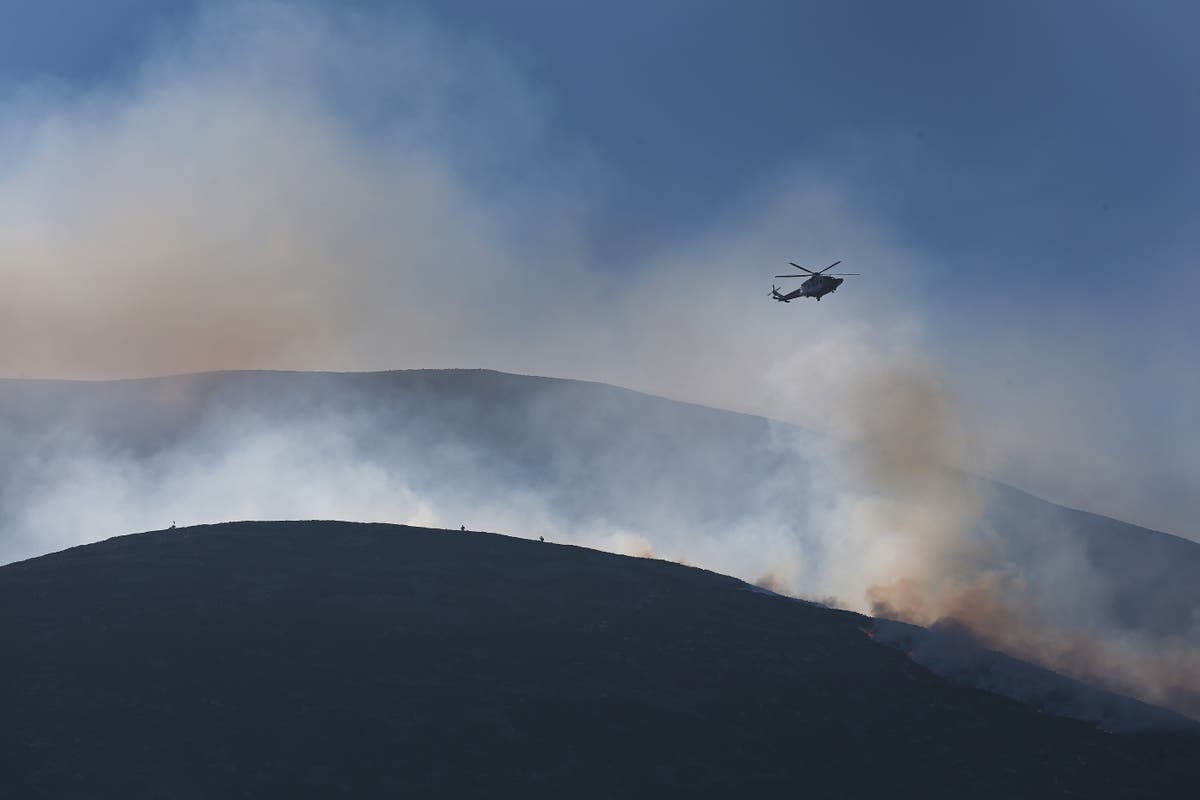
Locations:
{"points": [[1054, 134], [1035, 162]]}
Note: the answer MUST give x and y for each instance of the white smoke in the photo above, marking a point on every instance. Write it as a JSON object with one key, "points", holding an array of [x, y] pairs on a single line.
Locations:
{"points": [[289, 187]]}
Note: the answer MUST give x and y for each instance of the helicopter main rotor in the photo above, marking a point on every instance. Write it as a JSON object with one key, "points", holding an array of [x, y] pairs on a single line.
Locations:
{"points": [[813, 273]]}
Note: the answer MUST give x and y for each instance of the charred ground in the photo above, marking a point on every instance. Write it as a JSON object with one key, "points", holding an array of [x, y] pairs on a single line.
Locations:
{"points": [[336, 659]]}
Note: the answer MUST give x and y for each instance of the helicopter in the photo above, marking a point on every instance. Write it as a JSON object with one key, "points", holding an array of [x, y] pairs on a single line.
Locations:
{"points": [[817, 285]]}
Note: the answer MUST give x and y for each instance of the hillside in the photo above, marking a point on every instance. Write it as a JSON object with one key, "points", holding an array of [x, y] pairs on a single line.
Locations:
{"points": [[328, 659], [602, 466]]}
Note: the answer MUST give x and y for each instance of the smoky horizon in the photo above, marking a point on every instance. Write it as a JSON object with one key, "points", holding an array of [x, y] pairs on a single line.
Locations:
{"points": [[226, 226]]}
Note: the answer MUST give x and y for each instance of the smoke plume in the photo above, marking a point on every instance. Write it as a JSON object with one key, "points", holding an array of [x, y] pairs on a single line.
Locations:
{"points": [[937, 560], [283, 187]]}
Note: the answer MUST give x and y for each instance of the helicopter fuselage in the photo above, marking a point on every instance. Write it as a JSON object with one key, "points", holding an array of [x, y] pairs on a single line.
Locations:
{"points": [[820, 285]]}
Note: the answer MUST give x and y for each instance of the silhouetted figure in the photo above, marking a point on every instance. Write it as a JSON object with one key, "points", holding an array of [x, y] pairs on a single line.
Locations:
{"points": [[541, 538], [462, 528], [172, 524]]}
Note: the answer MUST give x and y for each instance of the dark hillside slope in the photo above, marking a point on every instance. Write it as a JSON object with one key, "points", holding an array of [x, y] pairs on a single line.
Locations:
{"points": [[325, 659]]}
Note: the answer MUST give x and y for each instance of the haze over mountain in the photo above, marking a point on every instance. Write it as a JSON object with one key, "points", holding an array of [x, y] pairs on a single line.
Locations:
{"points": [[362, 185], [318, 659], [875, 525], [602, 191]]}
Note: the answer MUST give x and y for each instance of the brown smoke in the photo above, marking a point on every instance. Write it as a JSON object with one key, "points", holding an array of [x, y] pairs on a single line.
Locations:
{"points": [[903, 434], [630, 544], [239, 203], [925, 515], [774, 582]]}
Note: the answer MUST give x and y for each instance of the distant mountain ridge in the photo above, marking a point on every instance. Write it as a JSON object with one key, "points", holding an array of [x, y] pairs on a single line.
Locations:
{"points": [[494, 409], [589, 453]]}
